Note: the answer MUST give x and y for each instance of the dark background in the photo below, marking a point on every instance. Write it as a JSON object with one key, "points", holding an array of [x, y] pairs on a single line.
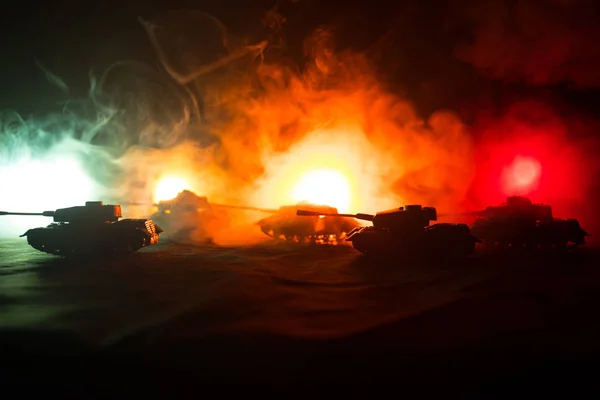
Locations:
{"points": [[416, 45]]}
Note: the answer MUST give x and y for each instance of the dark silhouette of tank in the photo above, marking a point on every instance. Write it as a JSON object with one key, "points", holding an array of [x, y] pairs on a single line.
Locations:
{"points": [[407, 231], [93, 229], [324, 227], [519, 223]]}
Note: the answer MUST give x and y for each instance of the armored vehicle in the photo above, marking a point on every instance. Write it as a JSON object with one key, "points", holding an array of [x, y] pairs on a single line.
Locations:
{"points": [[407, 231], [93, 229], [186, 217], [192, 217], [519, 223], [323, 227]]}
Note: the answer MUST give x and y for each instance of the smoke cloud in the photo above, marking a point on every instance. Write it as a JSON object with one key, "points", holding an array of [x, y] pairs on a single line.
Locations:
{"points": [[241, 123], [539, 42]]}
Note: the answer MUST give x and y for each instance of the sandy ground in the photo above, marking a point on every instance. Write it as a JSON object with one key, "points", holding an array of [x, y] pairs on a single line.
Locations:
{"points": [[287, 315]]}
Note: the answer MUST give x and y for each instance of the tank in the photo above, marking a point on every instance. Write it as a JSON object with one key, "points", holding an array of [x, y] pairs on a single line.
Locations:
{"points": [[407, 231], [519, 223], [93, 229], [186, 217], [324, 227], [189, 217]]}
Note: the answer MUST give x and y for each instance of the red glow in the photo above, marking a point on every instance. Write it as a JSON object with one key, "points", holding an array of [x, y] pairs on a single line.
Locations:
{"points": [[528, 152], [521, 177]]}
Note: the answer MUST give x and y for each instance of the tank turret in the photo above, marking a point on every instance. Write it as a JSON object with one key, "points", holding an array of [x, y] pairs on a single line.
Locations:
{"points": [[94, 228], [93, 211], [406, 230]]}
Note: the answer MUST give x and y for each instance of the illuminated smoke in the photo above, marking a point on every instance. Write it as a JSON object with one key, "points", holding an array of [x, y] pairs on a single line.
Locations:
{"points": [[530, 43], [240, 124], [65, 158], [335, 113], [556, 152]]}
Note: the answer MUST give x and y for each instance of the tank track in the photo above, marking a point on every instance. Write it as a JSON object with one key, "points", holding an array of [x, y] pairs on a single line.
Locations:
{"points": [[321, 239], [73, 251]]}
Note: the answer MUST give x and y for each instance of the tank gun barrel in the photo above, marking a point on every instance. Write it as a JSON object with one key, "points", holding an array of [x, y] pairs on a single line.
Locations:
{"points": [[216, 205], [43, 214], [307, 213], [247, 208]]}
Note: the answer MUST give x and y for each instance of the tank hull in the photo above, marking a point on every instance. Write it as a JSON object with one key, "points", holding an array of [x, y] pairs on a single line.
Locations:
{"points": [[122, 237], [438, 240], [530, 234]]}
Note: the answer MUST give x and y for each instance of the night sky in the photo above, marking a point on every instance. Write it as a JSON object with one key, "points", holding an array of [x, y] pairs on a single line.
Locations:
{"points": [[443, 54]]}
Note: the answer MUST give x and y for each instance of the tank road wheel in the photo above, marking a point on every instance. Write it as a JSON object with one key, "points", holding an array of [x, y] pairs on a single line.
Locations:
{"points": [[332, 239]]}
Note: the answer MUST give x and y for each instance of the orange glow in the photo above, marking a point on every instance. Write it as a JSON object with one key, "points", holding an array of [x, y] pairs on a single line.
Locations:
{"points": [[328, 132], [333, 168], [168, 188], [324, 186]]}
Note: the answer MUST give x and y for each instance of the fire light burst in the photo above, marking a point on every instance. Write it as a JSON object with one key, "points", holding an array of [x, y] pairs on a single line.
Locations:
{"points": [[168, 188], [324, 186], [333, 168], [52, 182]]}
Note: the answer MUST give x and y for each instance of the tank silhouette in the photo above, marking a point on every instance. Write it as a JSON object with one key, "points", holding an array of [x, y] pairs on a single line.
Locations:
{"points": [[407, 231], [92, 229], [192, 218], [324, 227], [185, 216], [519, 223], [189, 215]]}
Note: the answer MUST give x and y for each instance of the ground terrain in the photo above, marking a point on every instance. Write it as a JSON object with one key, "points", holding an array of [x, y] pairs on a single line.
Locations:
{"points": [[281, 315]]}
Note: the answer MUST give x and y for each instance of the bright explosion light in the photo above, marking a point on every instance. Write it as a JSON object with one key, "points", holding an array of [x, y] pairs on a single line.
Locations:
{"points": [[41, 185], [324, 186], [526, 171], [522, 176], [333, 167], [169, 188]]}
